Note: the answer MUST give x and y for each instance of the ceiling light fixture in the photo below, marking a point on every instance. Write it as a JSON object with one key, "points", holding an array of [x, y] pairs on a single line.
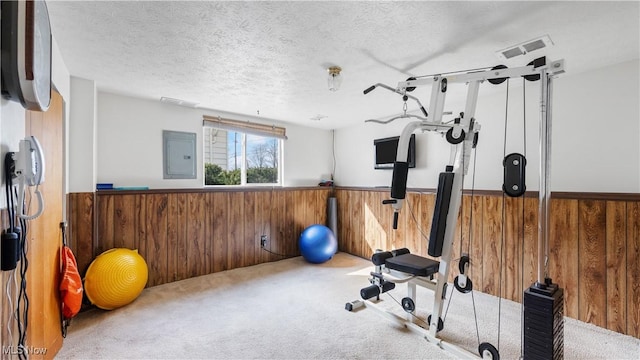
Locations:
{"points": [[335, 79], [180, 102]]}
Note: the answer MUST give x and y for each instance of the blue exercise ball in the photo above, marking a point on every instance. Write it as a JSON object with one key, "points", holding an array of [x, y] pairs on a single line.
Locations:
{"points": [[318, 244]]}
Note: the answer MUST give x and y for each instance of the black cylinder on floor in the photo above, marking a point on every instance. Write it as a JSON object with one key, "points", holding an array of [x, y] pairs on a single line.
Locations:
{"points": [[332, 215]]}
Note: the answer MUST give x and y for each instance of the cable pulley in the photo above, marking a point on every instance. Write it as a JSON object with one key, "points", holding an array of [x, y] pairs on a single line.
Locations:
{"points": [[451, 139], [440, 323], [462, 265], [534, 77], [411, 88], [488, 351], [466, 288], [462, 282], [514, 174], [496, 81], [408, 305]]}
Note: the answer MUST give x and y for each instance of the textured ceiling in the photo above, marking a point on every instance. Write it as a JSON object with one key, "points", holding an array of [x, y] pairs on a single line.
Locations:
{"points": [[271, 57]]}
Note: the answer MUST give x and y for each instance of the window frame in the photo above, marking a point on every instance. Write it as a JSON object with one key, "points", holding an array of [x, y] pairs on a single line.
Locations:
{"points": [[247, 128]]}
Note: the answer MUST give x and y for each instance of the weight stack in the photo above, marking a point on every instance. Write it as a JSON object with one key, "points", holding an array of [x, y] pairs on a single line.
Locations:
{"points": [[544, 322]]}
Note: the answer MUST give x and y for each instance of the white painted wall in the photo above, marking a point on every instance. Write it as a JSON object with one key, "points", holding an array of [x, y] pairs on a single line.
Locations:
{"points": [[60, 76], [307, 156], [82, 133], [61, 81], [596, 125], [596, 122], [11, 128], [129, 137]]}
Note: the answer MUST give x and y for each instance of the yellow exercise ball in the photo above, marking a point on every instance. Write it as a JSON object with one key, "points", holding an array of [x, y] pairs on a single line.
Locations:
{"points": [[115, 278]]}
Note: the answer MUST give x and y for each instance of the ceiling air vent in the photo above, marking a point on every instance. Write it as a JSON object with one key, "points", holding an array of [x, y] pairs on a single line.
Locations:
{"points": [[525, 47], [168, 100]]}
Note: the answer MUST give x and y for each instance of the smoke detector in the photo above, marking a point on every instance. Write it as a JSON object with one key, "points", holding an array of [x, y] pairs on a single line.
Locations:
{"points": [[525, 47]]}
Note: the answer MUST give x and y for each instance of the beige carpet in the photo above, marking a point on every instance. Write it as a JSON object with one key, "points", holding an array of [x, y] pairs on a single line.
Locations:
{"points": [[291, 309]]}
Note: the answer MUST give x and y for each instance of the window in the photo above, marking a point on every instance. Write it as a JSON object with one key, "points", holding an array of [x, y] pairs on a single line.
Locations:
{"points": [[241, 153]]}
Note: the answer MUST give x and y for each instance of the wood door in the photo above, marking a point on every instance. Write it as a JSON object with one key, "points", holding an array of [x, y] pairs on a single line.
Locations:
{"points": [[44, 234]]}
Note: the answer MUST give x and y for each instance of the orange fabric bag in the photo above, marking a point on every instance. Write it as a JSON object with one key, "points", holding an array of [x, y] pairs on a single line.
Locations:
{"points": [[70, 285]]}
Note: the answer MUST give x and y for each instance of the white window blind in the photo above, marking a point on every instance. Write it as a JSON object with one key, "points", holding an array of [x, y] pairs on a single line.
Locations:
{"points": [[245, 126]]}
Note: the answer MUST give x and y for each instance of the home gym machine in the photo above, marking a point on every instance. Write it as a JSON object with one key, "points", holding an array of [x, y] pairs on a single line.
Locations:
{"points": [[543, 301]]}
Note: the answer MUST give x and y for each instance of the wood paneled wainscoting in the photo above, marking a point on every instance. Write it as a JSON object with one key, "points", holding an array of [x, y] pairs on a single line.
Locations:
{"points": [[187, 233], [594, 245]]}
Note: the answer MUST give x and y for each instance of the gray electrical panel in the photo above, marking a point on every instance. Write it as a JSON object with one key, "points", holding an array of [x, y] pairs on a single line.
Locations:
{"points": [[179, 155]]}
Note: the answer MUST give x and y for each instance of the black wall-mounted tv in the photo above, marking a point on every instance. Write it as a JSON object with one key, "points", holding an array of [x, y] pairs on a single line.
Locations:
{"points": [[386, 152]]}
